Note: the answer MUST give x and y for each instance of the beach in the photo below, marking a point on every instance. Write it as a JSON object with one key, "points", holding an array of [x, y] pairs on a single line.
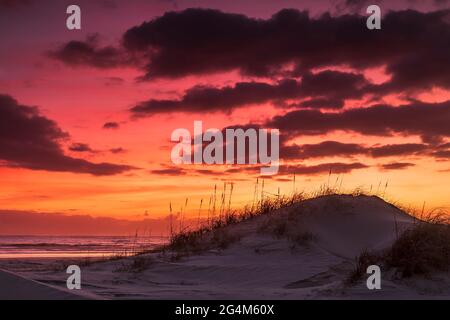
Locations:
{"points": [[16, 287], [311, 257]]}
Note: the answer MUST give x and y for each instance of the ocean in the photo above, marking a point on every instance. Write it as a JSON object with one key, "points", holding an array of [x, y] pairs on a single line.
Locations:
{"points": [[15, 247]]}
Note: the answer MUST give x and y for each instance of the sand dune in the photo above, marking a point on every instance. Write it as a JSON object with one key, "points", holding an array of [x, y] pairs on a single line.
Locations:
{"points": [[301, 252], [16, 287]]}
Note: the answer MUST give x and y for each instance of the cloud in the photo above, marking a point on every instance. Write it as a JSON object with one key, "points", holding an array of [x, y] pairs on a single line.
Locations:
{"points": [[236, 42], [442, 154], [177, 171], [397, 165], [111, 125], [319, 103], [320, 150], [420, 70], [412, 46], [339, 149], [30, 140], [432, 139], [330, 89], [81, 147], [201, 98], [334, 85], [398, 150], [169, 171], [41, 223], [89, 52], [335, 167], [380, 120], [117, 150]]}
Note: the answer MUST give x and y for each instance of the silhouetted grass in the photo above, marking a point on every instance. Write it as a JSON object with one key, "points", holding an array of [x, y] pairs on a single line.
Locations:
{"points": [[420, 250], [364, 260], [134, 264]]}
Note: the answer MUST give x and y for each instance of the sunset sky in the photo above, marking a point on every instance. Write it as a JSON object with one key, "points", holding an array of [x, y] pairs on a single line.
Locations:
{"points": [[86, 115]]}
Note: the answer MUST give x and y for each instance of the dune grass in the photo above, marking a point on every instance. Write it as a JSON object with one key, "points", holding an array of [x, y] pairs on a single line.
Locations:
{"points": [[419, 251], [364, 260], [213, 233], [135, 264]]}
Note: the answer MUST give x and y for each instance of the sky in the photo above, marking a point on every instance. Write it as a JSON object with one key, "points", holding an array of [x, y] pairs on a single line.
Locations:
{"points": [[86, 115]]}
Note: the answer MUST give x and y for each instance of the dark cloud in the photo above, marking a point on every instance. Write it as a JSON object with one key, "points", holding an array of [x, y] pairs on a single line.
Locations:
{"points": [[320, 150], [169, 171], [81, 147], [289, 151], [117, 150], [333, 85], [30, 140], [334, 167], [14, 222], [432, 139], [339, 149], [200, 98], [442, 154], [298, 169], [111, 125], [382, 120], [177, 171], [421, 70], [233, 41], [397, 165], [226, 144], [84, 147], [330, 89], [320, 103], [412, 45], [89, 52], [398, 150], [444, 146]]}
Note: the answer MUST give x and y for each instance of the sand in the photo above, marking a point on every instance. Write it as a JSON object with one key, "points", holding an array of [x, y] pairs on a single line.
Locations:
{"points": [[16, 287], [263, 266]]}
